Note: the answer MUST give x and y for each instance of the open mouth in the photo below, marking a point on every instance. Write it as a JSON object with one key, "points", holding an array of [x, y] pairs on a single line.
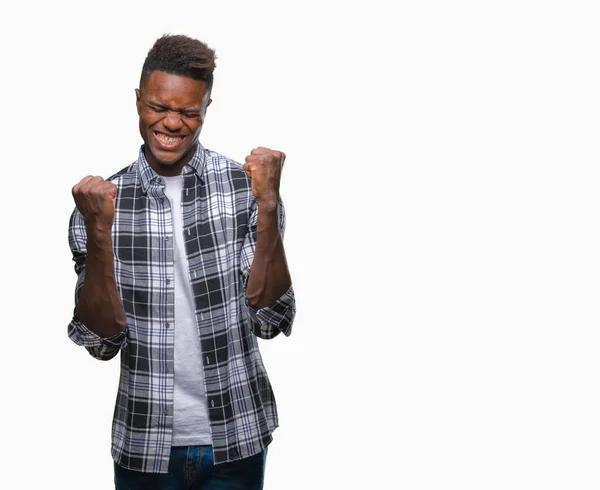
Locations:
{"points": [[168, 142]]}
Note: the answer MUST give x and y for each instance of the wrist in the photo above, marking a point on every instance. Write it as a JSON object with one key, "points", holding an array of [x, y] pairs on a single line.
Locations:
{"points": [[98, 227], [268, 205], [99, 234]]}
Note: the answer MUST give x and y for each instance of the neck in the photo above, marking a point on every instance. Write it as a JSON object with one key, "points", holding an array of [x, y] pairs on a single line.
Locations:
{"points": [[169, 169]]}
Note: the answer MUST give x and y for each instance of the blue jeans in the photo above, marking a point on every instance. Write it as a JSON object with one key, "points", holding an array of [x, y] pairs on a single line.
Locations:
{"points": [[193, 468]]}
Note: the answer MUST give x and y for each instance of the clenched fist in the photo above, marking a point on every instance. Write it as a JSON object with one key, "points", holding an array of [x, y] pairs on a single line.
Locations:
{"points": [[95, 199], [263, 166]]}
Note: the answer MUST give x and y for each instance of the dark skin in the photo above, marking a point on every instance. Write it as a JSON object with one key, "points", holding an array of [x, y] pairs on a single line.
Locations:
{"points": [[269, 274], [99, 307], [172, 109]]}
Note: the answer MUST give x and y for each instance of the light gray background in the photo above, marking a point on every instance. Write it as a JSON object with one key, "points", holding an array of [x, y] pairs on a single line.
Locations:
{"points": [[443, 209]]}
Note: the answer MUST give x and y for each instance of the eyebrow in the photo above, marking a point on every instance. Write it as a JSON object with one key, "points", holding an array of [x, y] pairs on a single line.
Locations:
{"points": [[163, 106]]}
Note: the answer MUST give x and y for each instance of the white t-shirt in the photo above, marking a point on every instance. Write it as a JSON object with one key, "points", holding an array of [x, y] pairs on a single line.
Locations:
{"points": [[190, 418]]}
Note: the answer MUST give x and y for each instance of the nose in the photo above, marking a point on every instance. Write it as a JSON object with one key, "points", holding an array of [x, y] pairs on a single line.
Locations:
{"points": [[172, 121]]}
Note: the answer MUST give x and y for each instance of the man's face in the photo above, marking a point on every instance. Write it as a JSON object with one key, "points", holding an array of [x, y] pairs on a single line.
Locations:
{"points": [[172, 110]]}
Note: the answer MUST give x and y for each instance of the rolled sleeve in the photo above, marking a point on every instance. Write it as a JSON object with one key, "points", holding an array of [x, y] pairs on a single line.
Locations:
{"points": [[269, 321], [102, 348]]}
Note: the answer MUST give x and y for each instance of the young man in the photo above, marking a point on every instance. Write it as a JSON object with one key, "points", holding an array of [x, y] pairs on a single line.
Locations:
{"points": [[181, 265]]}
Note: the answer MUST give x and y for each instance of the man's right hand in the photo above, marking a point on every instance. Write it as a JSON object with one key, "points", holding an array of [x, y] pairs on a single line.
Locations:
{"points": [[99, 307], [95, 199]]}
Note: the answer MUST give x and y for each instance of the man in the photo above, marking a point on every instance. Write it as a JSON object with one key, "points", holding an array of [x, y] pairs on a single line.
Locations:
{"points": [[181, 265]]}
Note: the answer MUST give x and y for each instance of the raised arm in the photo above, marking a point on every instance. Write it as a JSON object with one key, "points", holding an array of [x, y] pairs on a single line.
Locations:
{"points": [[269, 275], [99, 321], [268, 289]]}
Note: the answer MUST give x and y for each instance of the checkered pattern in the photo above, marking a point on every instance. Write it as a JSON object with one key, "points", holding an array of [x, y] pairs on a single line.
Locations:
{"points": [[219, 222]]}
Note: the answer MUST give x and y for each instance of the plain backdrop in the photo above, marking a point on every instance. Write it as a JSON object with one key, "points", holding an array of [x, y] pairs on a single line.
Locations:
{"points": [[442, 196]]}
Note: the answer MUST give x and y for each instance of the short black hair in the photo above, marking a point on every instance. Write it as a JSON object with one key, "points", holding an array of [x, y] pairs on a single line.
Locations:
{"points": [[180, 55]]}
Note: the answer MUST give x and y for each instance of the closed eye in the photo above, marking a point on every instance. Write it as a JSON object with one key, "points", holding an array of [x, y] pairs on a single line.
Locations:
{"points": [[190, 115], [162, 109]]}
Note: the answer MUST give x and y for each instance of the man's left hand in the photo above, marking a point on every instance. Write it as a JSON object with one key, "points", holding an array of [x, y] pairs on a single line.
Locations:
{"points": [[264, 166]]}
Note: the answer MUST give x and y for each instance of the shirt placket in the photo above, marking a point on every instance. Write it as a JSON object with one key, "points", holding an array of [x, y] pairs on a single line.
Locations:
{"points": [[195, 206], [163, 282]]}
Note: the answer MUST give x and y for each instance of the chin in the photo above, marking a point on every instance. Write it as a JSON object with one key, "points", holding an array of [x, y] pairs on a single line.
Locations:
{"points": [[168, 161], [166, 157]]}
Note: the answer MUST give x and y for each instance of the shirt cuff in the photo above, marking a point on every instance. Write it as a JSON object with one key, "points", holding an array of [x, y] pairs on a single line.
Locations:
{"points": [[82, 335], [269, 321]]}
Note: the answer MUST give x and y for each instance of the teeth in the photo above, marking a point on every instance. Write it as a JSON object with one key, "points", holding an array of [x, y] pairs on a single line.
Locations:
{"points": [[169, 140]]}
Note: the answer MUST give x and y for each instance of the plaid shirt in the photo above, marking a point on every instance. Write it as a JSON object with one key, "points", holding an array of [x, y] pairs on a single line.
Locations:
{"points": [[219, 223]]}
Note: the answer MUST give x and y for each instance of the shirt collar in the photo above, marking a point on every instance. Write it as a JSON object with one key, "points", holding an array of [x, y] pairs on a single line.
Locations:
{"points": [[147, 174]]}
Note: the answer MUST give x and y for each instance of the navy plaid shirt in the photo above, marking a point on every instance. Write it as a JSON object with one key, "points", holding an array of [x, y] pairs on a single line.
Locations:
{"points": [[219, 223]]}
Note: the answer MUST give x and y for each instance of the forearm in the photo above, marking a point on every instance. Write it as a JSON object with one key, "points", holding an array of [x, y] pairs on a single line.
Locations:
{"points": [[100, 306], [269, 274]]}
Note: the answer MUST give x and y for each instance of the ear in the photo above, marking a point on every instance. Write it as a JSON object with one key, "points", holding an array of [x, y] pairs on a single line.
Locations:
{"points": [[206, 104], [138, 101]]}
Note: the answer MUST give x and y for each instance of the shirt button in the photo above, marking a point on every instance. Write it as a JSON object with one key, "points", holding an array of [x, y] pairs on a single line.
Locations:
{"points": [[166, 412], [161, 200], [167, 325], [168, 281], [166, 239]]}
